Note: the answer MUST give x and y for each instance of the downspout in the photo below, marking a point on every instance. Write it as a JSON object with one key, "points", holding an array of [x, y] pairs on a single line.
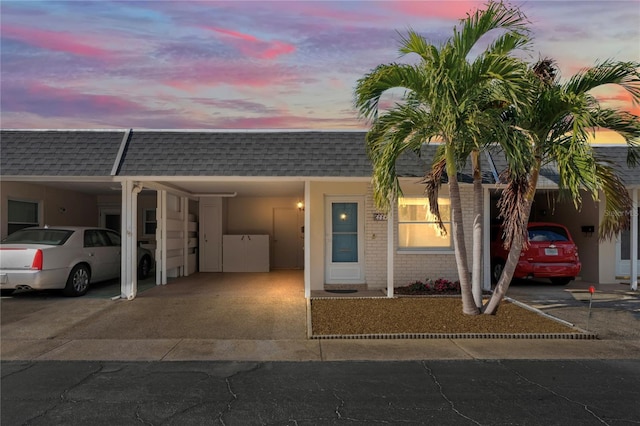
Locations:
{"points": [[307, 239], [390, 247], [633, 276], [486, 237], [486, 241]]}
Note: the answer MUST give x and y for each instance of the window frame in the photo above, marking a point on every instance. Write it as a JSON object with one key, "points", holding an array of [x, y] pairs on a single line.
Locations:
{"points": [[38, 205], [145, 222], [422, 249]]}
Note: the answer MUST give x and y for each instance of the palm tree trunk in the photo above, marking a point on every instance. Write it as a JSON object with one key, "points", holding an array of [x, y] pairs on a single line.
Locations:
{"points": [[516, 248], [476, 268], [468, 306]]}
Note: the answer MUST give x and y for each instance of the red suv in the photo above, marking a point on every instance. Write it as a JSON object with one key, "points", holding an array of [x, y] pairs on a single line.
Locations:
{"points": [[551, 254]]}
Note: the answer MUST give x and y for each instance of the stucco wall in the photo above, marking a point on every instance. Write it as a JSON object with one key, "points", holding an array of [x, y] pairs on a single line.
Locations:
{"points": [[57, 206], [549, 209], [256, 215], [316, 209]]}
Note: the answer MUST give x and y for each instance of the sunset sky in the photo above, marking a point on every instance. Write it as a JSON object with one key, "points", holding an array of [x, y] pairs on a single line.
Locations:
{"points": [[248, 65]]}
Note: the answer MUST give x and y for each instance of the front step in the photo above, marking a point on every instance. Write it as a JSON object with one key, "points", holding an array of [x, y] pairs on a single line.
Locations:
{"points": [[358, 287]]}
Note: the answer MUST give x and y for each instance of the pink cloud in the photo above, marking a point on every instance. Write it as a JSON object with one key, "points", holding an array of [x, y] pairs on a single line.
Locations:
{"points": [[433, 9], [252, 46], [48, 101], [56, 41], [207, 74], [285, 121]]}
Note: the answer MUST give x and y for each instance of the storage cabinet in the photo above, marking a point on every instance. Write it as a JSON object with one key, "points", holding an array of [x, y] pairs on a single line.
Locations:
{"points": [[245, 253]]}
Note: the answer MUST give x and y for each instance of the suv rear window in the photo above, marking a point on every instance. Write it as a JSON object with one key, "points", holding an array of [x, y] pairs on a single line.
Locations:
{"points": [[547, 233], [52, 237]]}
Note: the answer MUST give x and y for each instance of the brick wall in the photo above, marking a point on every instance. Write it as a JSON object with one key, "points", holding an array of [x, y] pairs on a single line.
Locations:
{"points": [[409, 267]]}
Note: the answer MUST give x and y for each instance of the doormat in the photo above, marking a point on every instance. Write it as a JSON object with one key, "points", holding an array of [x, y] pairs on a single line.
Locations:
{"points": [[342, 291]]}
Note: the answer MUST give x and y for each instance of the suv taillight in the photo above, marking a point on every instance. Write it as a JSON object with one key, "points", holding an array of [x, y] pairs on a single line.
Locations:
{"points": [[37, 261]]}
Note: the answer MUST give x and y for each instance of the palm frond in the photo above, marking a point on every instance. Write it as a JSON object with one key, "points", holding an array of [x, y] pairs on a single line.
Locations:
{"points": [[626, 125], [404, 128], [624, 74], [513, 207], [373, 85], [497, 15], [617, 203], [433, 182]]}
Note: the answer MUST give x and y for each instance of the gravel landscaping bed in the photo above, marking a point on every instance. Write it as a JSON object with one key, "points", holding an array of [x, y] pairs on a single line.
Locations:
{"points": [[411, 315]]}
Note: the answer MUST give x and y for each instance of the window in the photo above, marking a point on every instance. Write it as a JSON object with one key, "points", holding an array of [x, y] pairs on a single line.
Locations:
{"points": [[417, 227], [21, 214], [149, 223]]}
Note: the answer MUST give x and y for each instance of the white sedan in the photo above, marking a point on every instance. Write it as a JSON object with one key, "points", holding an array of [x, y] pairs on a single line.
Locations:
{"points": [[65, 257]]}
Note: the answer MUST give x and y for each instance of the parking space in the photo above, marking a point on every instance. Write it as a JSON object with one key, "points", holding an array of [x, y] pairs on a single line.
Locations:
{"points": [[614, 313]]}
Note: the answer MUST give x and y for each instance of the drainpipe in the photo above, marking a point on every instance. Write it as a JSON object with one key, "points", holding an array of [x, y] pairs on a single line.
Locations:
{"points": [[634, 240], [307, 239], [390, 247], [486, 242]]}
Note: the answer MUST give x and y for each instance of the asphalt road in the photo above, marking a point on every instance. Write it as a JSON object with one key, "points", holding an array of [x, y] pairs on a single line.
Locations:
{"points": [[588, 392]]}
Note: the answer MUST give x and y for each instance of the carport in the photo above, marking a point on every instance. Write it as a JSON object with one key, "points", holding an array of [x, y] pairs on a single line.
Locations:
{"points": [[602, 261]]}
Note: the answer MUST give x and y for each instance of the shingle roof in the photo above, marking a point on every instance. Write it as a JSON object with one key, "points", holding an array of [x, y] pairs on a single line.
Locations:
{"points": [[58, 153], [189, 153], [616, 156], [93, 153]]}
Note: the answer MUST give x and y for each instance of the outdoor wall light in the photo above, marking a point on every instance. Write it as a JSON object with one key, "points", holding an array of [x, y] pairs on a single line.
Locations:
{"points": [[300, 206], [588, 230]]}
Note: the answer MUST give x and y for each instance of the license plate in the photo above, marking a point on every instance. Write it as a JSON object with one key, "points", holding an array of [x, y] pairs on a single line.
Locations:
{"points": [[551, 251], [3, 278]]}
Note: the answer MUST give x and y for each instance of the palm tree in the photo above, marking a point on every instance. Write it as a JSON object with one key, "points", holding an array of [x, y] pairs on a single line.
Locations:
{"points": [[448, 99], [557, 125]]}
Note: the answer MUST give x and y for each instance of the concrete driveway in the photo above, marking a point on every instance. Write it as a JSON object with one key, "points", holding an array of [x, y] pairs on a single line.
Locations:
{"points": [[263, 317], [615, 309]]}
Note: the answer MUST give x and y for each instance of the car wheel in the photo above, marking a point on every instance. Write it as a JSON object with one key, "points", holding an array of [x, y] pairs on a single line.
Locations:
{"points": [[496, 270], [144, 267], [78, 281], [7, 292], [561, 280]]}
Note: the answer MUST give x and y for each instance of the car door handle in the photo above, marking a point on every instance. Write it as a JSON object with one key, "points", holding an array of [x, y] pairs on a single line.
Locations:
{"points": [[91, 254]]}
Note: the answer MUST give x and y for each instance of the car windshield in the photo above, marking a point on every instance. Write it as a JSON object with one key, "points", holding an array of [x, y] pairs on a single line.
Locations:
{"points": [[52, 237], [548, 233]]}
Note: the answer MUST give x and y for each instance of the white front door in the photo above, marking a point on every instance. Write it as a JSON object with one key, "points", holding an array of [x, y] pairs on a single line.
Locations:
{"points": [[344, 240]]}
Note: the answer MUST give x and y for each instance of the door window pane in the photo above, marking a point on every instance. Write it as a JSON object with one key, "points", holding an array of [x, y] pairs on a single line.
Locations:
{"points": [[344, 224], [150, 223]]}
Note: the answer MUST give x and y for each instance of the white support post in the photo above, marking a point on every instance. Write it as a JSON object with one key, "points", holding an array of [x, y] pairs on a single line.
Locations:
{"points": [[390, 247], [184, 207], [307, 239], [486, 242], [128, 252], [634, 240], [161, 238]]}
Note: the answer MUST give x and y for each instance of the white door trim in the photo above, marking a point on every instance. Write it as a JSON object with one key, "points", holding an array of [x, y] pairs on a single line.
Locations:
{"points": [[344, 272]]}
